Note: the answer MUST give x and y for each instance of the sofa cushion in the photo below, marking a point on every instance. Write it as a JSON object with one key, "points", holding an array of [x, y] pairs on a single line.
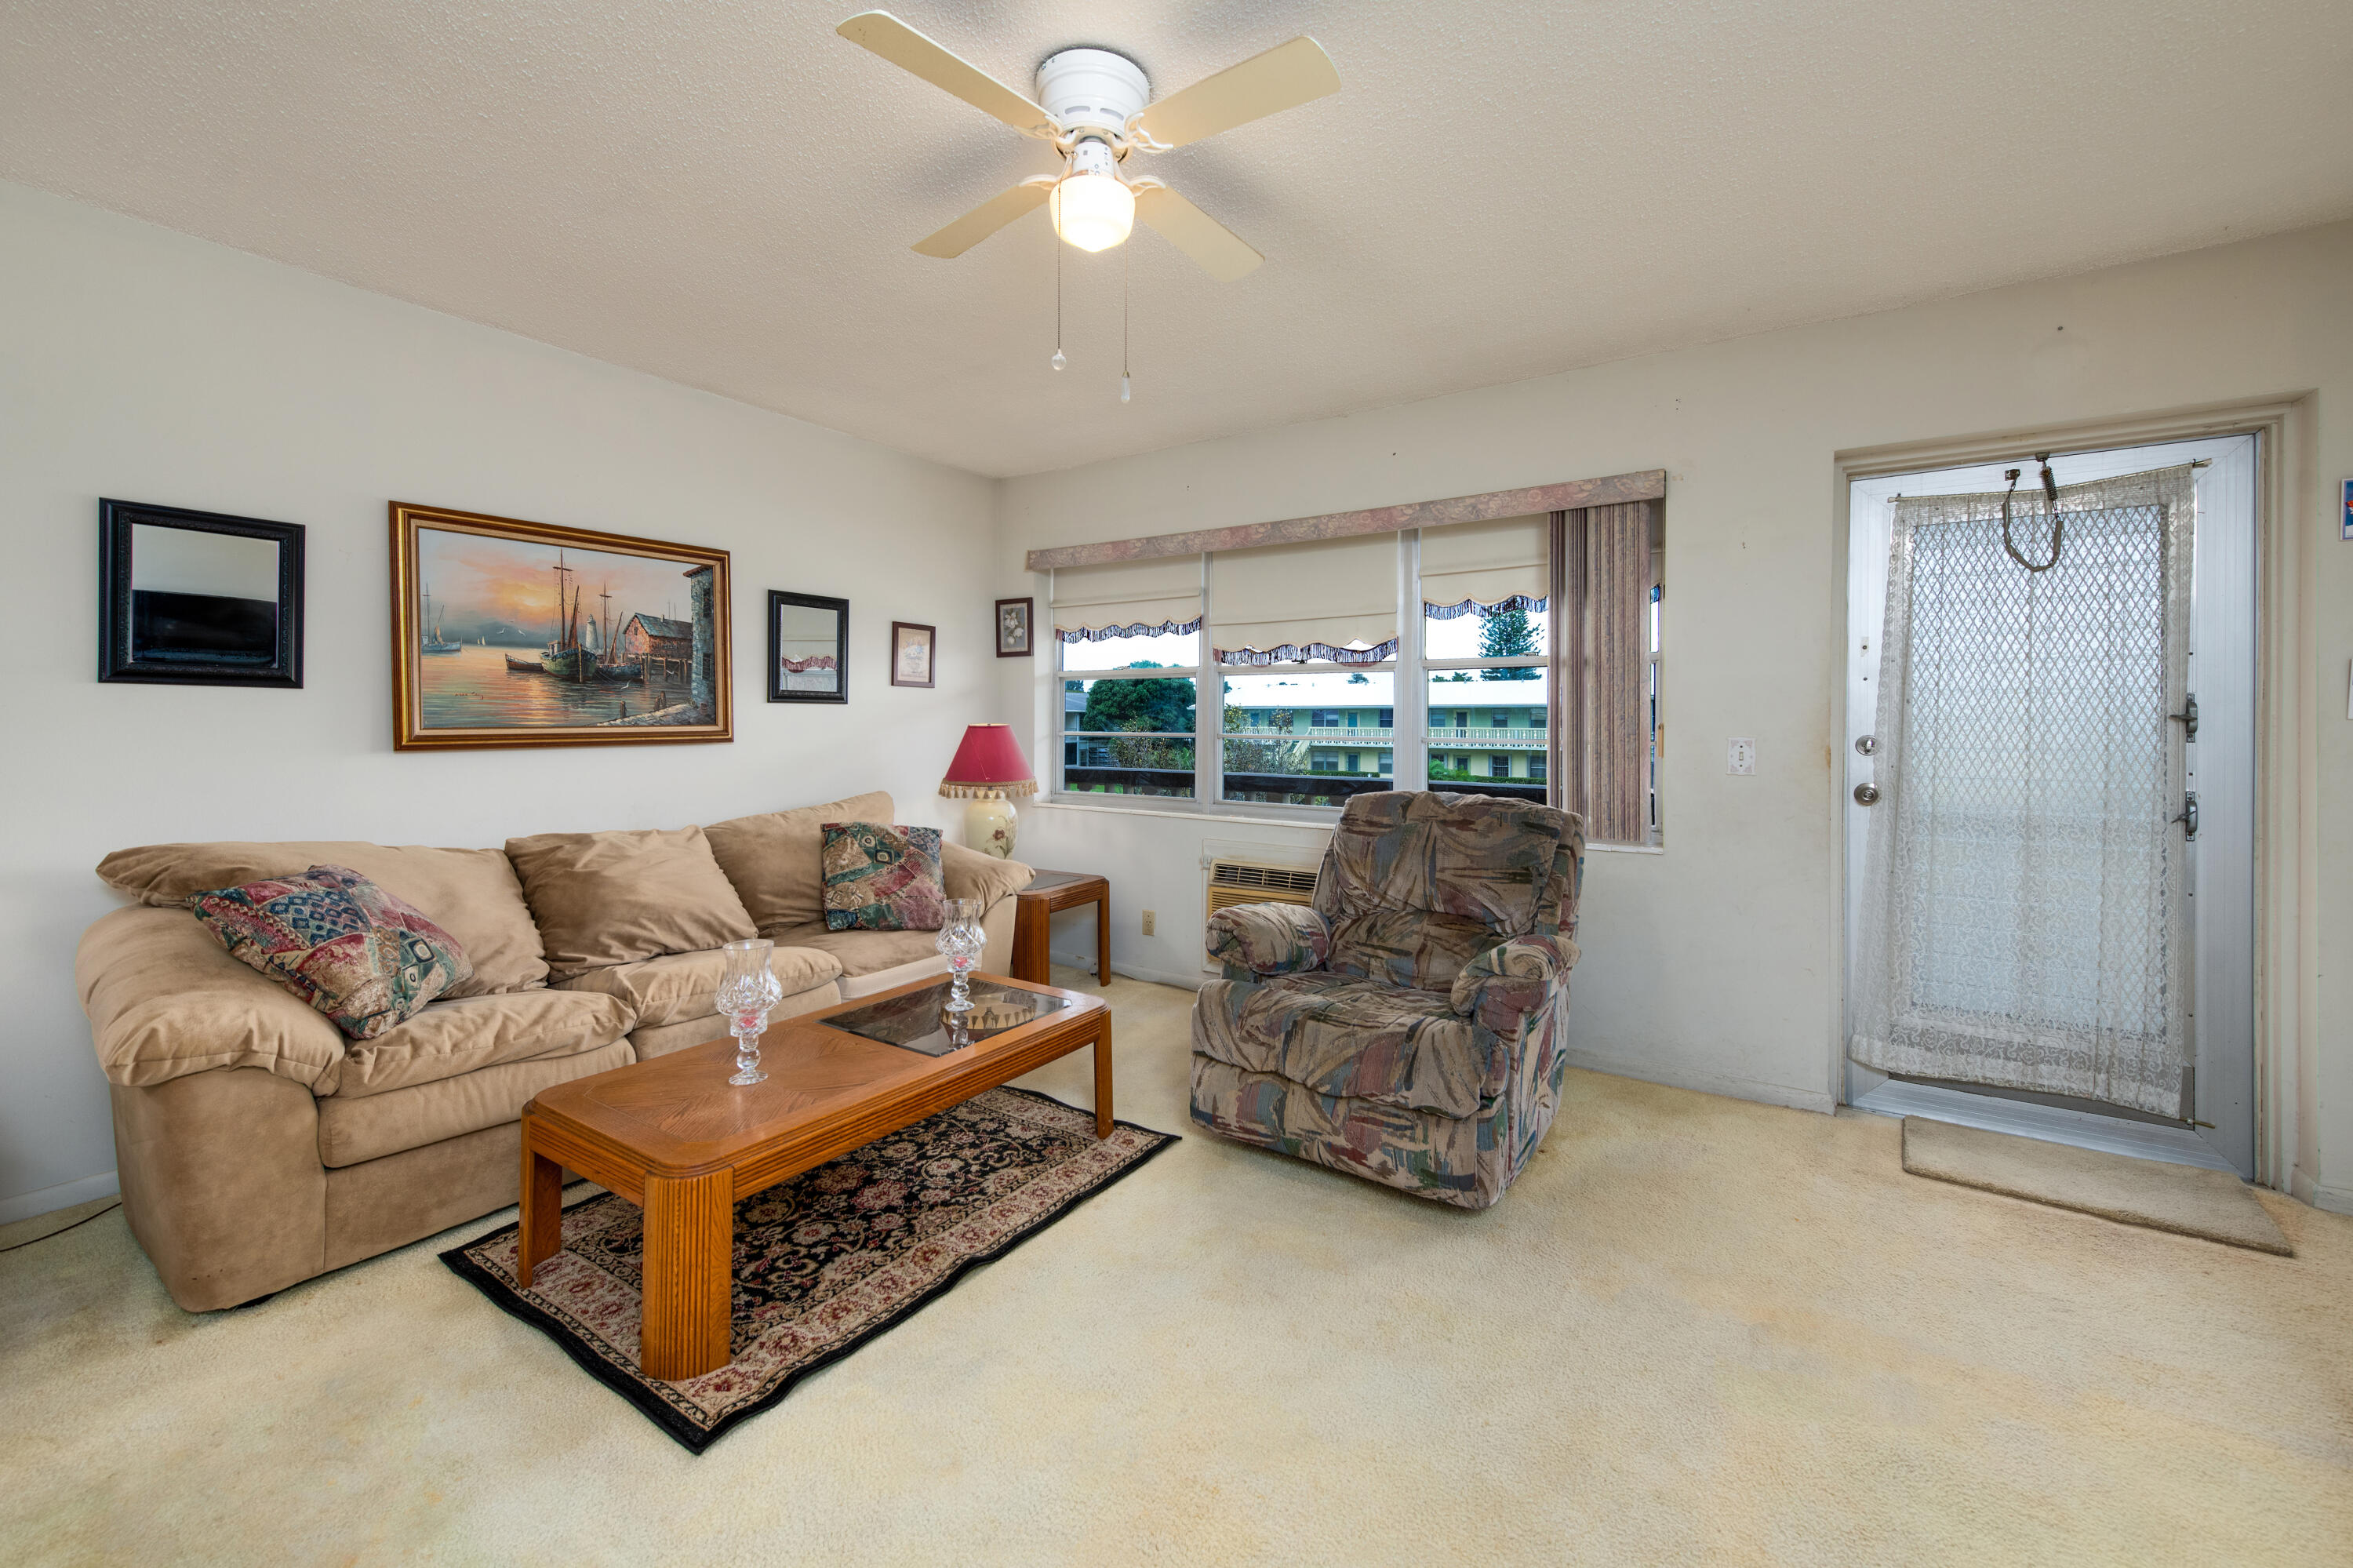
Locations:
{"points": [[652, 1040], [165, 1000], [775, 859], [864, 952], [881, 877], [1478, 856], [682, 986], [1351, 1038], [617, 897], [352, 1130], [450, 1038], [471, 894], [339, 943]]}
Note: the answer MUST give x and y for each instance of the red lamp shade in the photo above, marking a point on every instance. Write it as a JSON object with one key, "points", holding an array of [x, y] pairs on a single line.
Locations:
{"points": [[989, 762]]}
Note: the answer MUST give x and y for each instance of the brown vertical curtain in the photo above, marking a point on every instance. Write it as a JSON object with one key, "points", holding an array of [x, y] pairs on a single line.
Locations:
{"points": [[1604, 669]]}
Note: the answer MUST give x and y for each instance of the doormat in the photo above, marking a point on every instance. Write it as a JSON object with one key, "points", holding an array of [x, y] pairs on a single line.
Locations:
{"points": [[2187, 1200], [824, 1262]]}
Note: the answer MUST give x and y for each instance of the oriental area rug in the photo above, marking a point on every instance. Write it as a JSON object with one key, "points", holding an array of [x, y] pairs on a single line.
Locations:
{"points": [[824, 1262]]}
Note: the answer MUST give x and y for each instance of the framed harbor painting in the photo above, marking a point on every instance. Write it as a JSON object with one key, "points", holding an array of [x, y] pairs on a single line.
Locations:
{"points": [[808, 648], [198, 599], [507, 633]]}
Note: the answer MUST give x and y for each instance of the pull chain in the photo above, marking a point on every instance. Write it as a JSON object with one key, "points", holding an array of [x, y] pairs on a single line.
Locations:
{"points": [[1058, 361], [2058, 526], [1122, 323]]}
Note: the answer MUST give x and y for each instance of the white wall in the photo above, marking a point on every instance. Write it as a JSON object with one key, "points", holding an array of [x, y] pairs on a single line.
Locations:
{"points": [[139, 364], [1713, 964]]}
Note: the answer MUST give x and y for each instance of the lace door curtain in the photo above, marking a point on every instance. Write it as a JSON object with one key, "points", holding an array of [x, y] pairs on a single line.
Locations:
{"points": [[2025, 903]]}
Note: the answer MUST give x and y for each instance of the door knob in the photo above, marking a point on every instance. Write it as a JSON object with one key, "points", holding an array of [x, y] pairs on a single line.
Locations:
{"points": [[1866, 794]]}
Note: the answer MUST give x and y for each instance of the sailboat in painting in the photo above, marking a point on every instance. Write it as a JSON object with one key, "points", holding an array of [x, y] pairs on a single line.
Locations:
{"points": [[565, 657], [433, 641]]}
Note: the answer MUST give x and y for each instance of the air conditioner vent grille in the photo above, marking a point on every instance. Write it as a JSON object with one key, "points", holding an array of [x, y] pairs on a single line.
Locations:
{"points": [[1241, 875]]}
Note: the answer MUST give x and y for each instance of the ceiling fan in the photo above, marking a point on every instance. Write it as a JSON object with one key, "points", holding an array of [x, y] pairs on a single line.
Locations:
{"points": [[1097, 107]]}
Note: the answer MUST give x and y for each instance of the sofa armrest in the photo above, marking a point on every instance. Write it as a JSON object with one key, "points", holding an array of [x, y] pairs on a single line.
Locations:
{"points": [[968, 874], [1503, 985], [1269, 938], [165, 1000]]}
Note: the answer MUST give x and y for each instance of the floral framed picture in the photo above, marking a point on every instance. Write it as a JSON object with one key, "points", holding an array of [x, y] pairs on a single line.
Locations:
{"points": [[1013, 618], [507, 633], [808, 648], [912, 651]]}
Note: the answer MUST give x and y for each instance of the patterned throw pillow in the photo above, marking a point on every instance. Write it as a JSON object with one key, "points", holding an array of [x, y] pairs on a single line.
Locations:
{"points": [[882, 878], [340, 942]]}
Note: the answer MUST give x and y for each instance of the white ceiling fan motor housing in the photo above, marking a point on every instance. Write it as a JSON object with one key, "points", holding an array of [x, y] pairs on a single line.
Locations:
{"points": [[1092, 90]]}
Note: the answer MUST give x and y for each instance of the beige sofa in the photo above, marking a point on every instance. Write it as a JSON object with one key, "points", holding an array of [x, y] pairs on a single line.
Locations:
{"points": [[258, 1146]]}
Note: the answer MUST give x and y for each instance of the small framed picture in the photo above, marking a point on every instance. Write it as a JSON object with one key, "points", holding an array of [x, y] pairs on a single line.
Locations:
{"points": [[913, 649], [198, 599], [1013, 627], [808, 648]]}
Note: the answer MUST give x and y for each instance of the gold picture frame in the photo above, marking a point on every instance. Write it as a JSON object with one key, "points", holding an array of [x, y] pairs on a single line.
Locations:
{"points": [[507, 633]]}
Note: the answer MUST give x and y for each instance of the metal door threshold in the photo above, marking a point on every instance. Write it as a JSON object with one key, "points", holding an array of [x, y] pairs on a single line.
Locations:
{"points": [[2083, 1130]]}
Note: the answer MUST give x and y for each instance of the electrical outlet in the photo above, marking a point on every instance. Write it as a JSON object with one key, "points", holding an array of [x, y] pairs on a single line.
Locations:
{"points": [[1147, 922], [1740, 754]]}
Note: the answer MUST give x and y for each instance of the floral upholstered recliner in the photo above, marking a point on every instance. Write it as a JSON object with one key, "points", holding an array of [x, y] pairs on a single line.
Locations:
{"points": [[1407, 1027]]}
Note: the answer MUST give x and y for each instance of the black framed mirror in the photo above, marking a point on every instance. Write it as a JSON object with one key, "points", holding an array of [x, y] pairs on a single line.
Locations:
{"points": [[808, 648], [198, 599]]}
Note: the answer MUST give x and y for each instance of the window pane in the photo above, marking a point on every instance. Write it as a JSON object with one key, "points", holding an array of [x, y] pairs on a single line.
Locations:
{"points": [[1181, 650], [1308, 738], [1487, 732], [1511, 634], [1159, 707], [1128, 765]]}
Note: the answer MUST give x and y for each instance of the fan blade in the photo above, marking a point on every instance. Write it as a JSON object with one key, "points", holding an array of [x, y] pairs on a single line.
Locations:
{"points": [[1284, 77], [1210, 244], [911, 51], [983, 220]]}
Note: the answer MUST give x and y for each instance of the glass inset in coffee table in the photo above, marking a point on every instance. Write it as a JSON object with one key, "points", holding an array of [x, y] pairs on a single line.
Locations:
{"points": [[918, 1020]]}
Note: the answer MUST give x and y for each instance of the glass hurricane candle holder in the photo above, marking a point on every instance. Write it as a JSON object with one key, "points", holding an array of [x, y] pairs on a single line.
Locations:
{"points": [[747, 989], [960, 942]]}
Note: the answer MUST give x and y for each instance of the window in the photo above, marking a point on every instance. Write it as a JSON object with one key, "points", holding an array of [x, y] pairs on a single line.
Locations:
{"points": [[1225, 678]]}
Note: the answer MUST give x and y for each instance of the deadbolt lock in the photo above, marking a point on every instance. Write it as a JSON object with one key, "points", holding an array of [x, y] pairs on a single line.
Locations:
{"points": [[1866, 794], [1867, 744]]}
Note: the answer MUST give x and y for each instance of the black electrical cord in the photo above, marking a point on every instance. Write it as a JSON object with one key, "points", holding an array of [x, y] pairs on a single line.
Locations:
{"points": [[63, 1229]]}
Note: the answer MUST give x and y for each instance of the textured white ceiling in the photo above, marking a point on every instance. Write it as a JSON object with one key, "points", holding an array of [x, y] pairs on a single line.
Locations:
{"points": [[723, 193]]}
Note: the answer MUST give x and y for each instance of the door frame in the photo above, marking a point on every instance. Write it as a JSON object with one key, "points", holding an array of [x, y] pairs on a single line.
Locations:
{"points": [[2286, 828]]}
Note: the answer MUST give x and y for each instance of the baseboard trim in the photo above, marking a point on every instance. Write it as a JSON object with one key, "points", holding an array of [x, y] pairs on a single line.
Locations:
{"points": [[2335, 1200], [48, 1200], [1160, 977], [1706, 1083]]}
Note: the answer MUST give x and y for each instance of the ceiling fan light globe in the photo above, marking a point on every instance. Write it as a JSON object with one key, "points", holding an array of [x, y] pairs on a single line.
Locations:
{"points": [[1093, 212]]}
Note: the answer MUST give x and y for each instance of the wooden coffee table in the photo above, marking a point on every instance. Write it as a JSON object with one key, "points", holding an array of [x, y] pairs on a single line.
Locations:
{"points": [[673, 1136]]}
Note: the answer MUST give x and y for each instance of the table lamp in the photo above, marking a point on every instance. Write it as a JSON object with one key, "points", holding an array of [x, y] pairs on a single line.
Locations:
{"points": [[989, 770]]}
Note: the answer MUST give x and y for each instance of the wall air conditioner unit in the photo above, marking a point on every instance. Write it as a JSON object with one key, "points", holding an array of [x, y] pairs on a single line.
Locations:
{"points": [[1252, 882]]}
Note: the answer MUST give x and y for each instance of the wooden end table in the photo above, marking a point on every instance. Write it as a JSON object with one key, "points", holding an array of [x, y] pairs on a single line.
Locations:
{"points": [[1034, 908], [673, 1136]]}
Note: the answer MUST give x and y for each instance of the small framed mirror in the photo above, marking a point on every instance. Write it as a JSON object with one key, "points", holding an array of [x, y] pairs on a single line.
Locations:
{"points": [[198, 599], [808, 648]]}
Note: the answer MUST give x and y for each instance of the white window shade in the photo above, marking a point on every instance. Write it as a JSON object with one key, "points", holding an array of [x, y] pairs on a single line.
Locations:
{"points": [[1502, 565], [1333, 598], [1128, 598]]}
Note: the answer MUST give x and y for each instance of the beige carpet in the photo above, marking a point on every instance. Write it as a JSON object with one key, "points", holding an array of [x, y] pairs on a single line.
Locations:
{"points": [[1699, 1331], [2183, 1198]]}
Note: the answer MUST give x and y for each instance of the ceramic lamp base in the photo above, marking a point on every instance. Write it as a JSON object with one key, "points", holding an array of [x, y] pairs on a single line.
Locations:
{"points": [[989, 827]]}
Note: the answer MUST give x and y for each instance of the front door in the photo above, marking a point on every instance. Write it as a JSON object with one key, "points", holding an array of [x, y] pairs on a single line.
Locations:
{"points": [[2037, 940]]}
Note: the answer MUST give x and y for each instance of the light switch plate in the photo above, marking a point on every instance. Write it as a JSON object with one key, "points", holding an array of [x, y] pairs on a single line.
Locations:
{"points": [[1740, 754]]}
